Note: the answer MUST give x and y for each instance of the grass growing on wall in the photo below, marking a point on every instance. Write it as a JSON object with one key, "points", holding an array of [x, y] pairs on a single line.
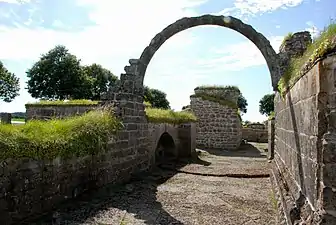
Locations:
{"points": [[217, 87], [217, 99], [60, 103], [75, 136], [325, 43], [287, 37], [155, 115]]}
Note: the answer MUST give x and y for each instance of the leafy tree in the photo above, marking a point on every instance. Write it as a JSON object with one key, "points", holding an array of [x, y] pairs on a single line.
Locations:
{"points": [[100, 79], [242, 103], [156, 97], [9, 84], [266, 104], [57, 75]]}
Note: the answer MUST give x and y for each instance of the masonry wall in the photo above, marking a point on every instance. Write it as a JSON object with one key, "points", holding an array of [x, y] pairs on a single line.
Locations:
{"points": [[183, 136], [30, 187], [255, 135], [218, 126], [304, 167], [43, 112]]}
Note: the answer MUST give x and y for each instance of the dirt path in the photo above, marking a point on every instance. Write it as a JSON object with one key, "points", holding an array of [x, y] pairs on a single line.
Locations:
{"points": [[169, 197]]}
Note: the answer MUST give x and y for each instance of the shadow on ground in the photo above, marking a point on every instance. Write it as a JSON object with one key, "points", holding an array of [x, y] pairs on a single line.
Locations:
{"points": [[249, 150], [138, 197]]}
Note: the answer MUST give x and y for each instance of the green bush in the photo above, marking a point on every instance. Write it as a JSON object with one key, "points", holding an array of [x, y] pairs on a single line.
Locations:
{"points": [[66, 103], [155, 115], [218, 87], [325, 43], [75, 136]]}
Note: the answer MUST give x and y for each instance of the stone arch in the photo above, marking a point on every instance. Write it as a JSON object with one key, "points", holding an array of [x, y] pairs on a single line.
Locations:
{"points": [[165, 147], [138, 66]]}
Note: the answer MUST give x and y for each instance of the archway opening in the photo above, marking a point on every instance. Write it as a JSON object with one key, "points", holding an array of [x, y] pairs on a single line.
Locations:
{"points": [[165, 149]]}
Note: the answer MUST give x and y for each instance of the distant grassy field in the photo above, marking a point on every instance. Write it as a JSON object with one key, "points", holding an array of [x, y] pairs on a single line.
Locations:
{"points": [[18, 120]]}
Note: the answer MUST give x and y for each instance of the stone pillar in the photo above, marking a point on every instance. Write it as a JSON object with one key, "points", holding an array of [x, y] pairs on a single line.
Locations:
{"points": [[271, 137], [6, 118]]}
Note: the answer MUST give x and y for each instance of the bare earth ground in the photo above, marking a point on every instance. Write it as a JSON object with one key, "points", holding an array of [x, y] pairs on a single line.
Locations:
{"points": [[168, 196]]}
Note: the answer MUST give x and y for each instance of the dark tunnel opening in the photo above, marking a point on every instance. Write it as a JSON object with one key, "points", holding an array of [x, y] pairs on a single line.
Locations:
{"points": [[165, 149]]}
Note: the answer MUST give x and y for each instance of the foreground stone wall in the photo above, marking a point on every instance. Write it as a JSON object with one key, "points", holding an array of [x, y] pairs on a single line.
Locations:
{"points": [[45, 112], [30, 187], [255, 135], [218, 126], [304, 167]]}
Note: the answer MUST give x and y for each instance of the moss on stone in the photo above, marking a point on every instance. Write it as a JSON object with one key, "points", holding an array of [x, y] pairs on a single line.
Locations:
{"points": [[217, 99], [77, 102], [82, 135], [155, 115], [323, 45]]}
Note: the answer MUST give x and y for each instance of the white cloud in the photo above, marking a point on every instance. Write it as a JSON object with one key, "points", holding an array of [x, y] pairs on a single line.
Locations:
{"points": [[254, 7], [15, 1]]}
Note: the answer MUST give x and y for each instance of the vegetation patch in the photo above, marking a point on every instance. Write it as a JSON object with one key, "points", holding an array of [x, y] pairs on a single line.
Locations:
{"points": [[74, 136], [324, 44], [155, 115], [147, 104], [77, 102], [271, 116], [287, 37], [217, 99], [218, 87]]}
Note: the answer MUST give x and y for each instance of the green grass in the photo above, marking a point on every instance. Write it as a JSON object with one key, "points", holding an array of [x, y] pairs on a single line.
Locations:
{"points": [[155, 115], [287, 37], [18, 119], [325, 43], [217, 99], [147, 104], [271, 116], [217, 87], [74, 136], [77, 102]]}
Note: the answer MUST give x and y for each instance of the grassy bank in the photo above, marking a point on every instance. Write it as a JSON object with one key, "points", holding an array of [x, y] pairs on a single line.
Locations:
{"points": [[73, 136]]}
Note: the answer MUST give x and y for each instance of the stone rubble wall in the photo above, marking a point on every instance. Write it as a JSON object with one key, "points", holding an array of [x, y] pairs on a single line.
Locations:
{"points": [[30, 187], [255, 135], [6, 118], [304, 162], [218, 126], [46, 112]]}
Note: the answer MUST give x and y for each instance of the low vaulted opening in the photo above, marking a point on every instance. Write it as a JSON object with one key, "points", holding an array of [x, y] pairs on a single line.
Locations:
{"points": [[165, 149]]}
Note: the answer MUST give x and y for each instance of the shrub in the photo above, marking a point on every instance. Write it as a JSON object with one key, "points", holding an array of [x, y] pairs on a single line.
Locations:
{"points": [[324, 44], [155, 115], [217, 99], [74, 136]]}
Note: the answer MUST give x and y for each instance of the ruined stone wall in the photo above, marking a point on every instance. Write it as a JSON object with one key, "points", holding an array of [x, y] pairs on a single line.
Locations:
{"points": [[218, 126], [304, 153], [254, 135], [30, 187], [43, 112], [182, 134]]}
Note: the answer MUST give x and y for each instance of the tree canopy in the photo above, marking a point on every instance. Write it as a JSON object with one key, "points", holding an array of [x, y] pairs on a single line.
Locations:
{"points": [[266, 104], [242, 103], [156, 98], [9, 84], [100, 80], [59, 75]]}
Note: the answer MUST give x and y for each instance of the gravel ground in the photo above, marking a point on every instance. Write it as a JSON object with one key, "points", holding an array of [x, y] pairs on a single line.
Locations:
{"points": [[173, 196]]}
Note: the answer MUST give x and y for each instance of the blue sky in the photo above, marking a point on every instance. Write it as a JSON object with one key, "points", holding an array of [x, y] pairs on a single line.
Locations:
{"points": [[110, 32]]}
